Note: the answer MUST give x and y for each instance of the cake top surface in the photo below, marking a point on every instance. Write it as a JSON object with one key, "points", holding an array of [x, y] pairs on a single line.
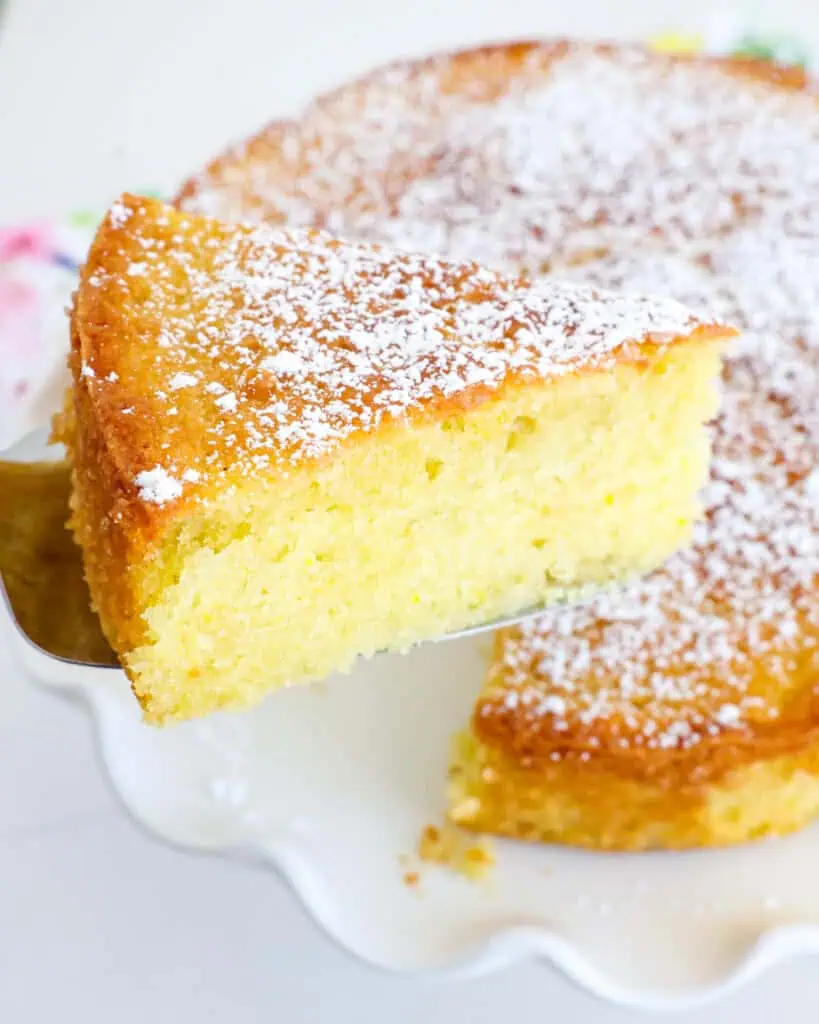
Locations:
{"points": [[212, 350], [526, 153], [692, 177]]}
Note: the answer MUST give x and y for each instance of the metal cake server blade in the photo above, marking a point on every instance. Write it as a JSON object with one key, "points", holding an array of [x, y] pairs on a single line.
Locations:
{"points": [[42, 588]]}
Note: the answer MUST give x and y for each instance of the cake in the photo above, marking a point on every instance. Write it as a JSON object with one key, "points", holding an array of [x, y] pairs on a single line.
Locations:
{"points": [[289, 450], [681, 711]]}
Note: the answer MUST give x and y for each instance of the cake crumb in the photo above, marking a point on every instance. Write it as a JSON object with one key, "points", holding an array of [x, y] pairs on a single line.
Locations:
{"points": [[411, 879], [478, 861], [449, 846]]}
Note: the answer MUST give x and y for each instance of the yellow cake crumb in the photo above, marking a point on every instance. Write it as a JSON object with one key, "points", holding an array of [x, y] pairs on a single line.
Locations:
{"points": [[449, 846]]}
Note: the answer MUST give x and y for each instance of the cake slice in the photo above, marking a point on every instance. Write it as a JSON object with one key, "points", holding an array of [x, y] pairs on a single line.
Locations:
{"points": [[290, 450]]}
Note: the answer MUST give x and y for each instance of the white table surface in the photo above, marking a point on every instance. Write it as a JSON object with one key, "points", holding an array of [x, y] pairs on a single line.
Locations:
{"points": [[98, 922]]}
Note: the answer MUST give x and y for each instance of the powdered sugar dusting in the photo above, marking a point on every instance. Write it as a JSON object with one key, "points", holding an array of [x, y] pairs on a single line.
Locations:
{"points": [[277, 344], [157, 486], [182, 380], [592, 146]]}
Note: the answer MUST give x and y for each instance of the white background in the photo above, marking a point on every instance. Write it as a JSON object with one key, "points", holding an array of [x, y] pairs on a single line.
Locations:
{"points": [[97, 921]]}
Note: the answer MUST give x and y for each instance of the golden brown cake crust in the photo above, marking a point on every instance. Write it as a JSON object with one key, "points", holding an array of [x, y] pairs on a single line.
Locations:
{"points": [[611, 744], [112, 532], [592, 804]]}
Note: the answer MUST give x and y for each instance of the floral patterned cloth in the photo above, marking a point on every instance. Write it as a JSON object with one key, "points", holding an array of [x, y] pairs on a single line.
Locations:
{"points": [[38, 271], [39, 261], [38, 267]]}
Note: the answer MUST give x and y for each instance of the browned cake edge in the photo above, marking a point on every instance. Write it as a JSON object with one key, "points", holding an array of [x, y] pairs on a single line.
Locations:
{"points": [[593, 804], [533, 742]]}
